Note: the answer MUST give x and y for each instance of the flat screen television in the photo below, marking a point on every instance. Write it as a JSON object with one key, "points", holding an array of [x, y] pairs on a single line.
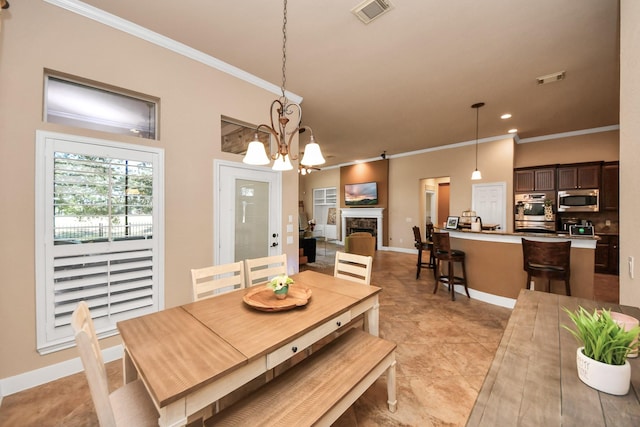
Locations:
{"points": [[364, 194]]}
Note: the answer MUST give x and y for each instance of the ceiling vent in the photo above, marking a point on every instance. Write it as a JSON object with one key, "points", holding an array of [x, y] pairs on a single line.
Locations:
{"points": [[550, 78], [369, 10]]}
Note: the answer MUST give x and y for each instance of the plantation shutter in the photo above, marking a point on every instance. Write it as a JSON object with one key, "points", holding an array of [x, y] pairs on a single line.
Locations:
{"points": [[99, 217]]}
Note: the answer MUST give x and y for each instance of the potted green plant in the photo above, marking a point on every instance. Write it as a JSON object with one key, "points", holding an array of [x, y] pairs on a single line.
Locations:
{"points": [[602, 358], [280, 285]]}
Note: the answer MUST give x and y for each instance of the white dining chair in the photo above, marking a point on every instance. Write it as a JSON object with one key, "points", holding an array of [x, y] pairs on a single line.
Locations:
{"points": [[261, 270], [218, 279], [130, 405], [356, 268]]}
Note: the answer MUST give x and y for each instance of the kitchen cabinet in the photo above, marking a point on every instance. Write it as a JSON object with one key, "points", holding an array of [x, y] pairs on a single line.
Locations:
{"points": [[536, 179], [578, 176], [607, 254], [609, 191]]}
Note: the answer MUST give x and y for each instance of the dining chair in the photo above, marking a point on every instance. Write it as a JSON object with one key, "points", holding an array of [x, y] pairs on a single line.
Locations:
{"points": [[549, 260], [130, 405], [218, 279], [261, 270], [356, 268]]}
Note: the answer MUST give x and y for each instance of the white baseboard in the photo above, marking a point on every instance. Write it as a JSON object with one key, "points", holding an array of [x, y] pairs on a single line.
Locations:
{"points": [[44, 375]]}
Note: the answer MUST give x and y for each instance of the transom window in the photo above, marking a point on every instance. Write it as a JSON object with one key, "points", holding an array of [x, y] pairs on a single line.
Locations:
{"points": [[91, 106]]}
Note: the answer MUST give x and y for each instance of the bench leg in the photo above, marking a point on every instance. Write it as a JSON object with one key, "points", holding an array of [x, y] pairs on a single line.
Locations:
{"points": [[392, 401]]}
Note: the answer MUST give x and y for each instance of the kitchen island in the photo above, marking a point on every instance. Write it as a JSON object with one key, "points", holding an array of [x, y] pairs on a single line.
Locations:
{"points": [[494, 264]]}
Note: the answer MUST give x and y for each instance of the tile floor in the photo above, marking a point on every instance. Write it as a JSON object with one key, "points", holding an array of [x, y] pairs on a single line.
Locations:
{"points": [[444, 351]]}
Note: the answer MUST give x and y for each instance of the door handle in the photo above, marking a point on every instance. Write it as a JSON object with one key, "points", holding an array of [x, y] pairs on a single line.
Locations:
{"points": [[274, 244]]}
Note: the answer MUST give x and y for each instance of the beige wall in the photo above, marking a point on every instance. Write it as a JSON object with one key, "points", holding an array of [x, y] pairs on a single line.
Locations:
{"points": [[629, 150], [603, 146], [495, 161], [406, 179], [192, 99]]}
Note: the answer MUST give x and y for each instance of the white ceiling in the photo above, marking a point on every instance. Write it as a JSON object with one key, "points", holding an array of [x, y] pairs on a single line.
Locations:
{"points": [[407, 80]]}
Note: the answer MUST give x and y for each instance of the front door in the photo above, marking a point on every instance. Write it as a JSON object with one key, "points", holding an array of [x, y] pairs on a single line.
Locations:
{"points": [[247, 212]]}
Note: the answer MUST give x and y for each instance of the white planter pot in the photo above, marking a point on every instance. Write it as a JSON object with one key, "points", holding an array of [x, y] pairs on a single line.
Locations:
{"points": [[612, 379]]}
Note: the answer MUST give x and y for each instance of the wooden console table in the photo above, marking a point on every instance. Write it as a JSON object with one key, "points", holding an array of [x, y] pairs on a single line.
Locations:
{"points": [[533, 379]]}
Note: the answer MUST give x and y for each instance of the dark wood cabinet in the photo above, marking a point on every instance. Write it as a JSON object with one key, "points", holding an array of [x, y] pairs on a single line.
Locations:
{"points": [[579, 176], [609, 190], [607, 255], [538, 179]]}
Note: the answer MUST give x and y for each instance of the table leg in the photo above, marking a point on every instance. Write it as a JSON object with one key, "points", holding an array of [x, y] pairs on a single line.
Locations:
{"points": [[173, 415], [372, 318], [129, 372]]}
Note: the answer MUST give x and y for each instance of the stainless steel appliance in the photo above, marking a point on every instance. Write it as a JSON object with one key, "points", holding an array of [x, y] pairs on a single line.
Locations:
{"points": [[579, 201], [529, 214], [581, 230]]}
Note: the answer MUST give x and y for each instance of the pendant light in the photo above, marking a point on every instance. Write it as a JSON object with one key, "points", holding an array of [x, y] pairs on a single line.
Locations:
{"points": [[476, 173], [281, 111]]}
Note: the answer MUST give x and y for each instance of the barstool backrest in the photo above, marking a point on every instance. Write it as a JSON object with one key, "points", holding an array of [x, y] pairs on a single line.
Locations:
{"points": [[417, 235], [429, 232], [556, 254], [441, 242]]}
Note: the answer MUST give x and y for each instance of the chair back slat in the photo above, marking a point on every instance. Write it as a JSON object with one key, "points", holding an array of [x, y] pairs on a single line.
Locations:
{"points": [[356, 268], [218, 279], [261, 270]]}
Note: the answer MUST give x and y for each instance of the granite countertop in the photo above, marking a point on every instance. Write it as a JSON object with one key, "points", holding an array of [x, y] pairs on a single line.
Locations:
{"points": [[523, 234]]}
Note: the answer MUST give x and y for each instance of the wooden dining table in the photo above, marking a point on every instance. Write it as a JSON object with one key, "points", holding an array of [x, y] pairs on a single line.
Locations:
{"points": [[191, 356], [533, 380]]}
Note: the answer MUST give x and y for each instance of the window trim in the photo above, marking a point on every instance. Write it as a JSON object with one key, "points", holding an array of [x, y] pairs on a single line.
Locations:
{"points": [[44, 261]]}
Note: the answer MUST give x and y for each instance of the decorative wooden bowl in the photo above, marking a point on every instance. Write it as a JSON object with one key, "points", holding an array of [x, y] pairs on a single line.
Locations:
{"points": [[263, 299]]}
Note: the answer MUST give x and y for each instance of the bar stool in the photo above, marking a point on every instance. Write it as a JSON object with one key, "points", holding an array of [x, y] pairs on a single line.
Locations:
{"points": [[443, 252], [549, 260], [423, 246]]}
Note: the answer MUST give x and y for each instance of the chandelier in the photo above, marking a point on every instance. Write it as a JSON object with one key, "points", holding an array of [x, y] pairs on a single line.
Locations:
{"points": [[284, 115]]}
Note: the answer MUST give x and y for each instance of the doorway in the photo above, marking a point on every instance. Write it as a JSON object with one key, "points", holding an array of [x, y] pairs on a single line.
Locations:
{"points": [[443, 202], [247, 212]]}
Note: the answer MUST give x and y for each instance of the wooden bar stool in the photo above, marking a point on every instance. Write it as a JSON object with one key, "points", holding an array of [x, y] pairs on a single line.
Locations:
{"points": [[549, 260], [422, 245], [443, 252]]}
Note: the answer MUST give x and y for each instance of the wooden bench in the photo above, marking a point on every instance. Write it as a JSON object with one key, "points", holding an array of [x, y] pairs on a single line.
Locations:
{"points": [[320, 388]]}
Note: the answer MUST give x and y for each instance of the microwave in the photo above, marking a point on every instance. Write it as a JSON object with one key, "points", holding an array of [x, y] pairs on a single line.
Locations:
{"points": [[579, 201]]}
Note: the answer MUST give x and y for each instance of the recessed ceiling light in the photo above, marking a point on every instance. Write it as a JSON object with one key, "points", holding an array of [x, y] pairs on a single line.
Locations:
{"points": [[513, 130], [505, 116]]}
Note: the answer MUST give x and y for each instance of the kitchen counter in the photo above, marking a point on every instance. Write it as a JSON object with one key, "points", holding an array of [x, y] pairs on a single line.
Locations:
{"points": [[494, 264]]}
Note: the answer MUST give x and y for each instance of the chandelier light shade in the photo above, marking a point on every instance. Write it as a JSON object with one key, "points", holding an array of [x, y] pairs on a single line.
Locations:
{"points": [[288, 117], [476, 175], [256, 154]]}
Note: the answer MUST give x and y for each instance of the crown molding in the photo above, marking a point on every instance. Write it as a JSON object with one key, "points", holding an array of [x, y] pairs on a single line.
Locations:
{"points": [[568, 134], [142, 33]]}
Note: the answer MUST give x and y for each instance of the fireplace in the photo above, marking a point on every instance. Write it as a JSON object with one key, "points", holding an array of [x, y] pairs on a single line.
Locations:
{"points": [[363, 219]]}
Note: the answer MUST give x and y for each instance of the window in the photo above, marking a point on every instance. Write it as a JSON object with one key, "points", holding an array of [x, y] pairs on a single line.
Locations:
{"points": [[98, 222], [86, 106]]}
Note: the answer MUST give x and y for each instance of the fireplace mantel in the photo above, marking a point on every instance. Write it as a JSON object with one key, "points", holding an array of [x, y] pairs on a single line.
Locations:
{"points": [[363, 213]]}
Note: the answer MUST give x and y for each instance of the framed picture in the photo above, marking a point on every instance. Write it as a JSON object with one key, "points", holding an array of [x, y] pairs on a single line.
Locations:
{"points": [[452, 222]]}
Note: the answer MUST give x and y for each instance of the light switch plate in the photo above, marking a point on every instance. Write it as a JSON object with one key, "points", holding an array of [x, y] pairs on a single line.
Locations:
{"points": [[289, 240], [289, 228]]}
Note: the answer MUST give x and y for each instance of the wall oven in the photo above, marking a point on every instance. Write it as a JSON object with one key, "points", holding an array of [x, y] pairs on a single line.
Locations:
{"points": [[579, 201], [529, 214]]}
